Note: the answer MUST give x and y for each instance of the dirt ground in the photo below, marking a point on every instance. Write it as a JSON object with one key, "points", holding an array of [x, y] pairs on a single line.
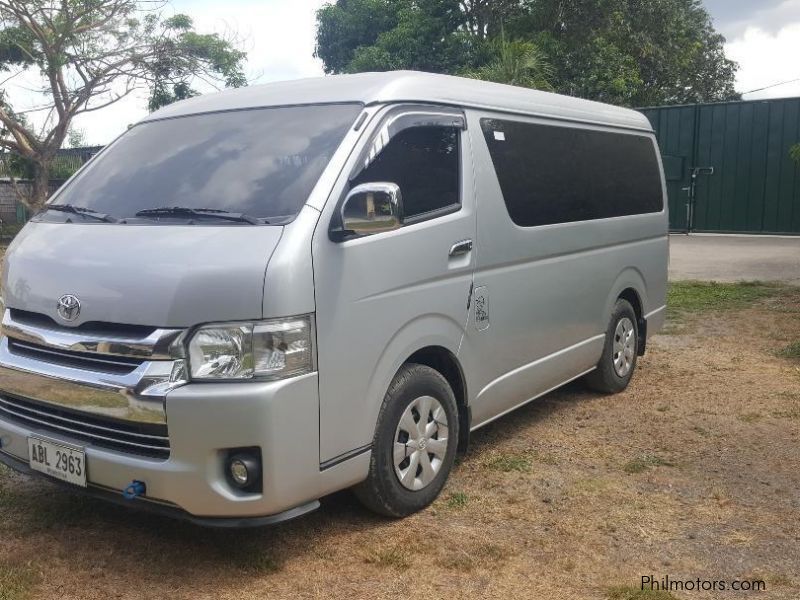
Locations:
{"points": [[692, 473]]}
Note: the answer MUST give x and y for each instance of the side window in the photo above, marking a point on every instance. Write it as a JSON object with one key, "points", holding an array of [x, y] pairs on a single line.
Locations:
{"points": [[425, 163], [550, 174]]}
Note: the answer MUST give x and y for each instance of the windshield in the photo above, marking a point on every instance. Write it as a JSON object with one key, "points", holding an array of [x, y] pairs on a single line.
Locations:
{"points": [[260, 162]]}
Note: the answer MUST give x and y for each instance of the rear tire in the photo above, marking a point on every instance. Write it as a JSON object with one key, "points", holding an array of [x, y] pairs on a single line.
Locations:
{"points": [[414, 445], [618, 362]]}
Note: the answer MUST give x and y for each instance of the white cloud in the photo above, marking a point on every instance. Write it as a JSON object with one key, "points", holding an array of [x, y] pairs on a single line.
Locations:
{"points": [[767, 58], [736, 16], [278, 36]]}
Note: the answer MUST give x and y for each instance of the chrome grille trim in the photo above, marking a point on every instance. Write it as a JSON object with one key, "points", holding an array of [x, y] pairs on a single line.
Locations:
{"points": [[9, 406], [119, 437], [137, 396], [92, 362], [160, 344]]}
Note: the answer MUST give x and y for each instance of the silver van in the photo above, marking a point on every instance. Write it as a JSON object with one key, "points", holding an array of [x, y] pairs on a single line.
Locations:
{"points": [[255, 298]]}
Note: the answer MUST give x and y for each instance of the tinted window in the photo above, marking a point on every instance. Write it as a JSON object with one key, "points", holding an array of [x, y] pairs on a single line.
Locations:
{"points": [[424, 162], [561, 174], [261, 162]]}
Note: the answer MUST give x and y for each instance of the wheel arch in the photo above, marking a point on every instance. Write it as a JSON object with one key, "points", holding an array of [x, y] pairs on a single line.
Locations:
{"points": [[433, 340], [440, 359], [630, 286]]}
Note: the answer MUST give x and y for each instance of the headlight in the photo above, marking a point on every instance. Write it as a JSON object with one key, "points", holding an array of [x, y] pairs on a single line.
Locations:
{"points": [[272, 349]]}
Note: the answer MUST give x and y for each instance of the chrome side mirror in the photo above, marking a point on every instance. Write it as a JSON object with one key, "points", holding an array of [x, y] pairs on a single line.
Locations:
{"points": [[372, 208]]}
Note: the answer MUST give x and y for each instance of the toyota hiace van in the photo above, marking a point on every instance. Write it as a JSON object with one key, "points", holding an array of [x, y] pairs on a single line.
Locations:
{"points": [[258, 297]]}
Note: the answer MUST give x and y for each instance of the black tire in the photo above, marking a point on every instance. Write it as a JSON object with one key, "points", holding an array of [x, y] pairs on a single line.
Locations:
{"points": [[382, 492], [605, 377]]}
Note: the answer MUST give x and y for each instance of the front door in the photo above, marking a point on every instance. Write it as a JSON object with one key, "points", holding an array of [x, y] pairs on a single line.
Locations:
{"points": [[382, 297]]}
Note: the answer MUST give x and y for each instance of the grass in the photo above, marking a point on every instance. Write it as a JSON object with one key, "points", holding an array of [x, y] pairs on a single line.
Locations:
{"points": [[259, 562], [750, 417], [791, 351], [544, 457], [391, 557], [632, 593], [779, 579], [491, 553], [487, 556], [458, 560], [508, 463], [701, 296], [644, 462], [52, 510], [16, 581], [792, 413], [457, 500], [251, 557]]}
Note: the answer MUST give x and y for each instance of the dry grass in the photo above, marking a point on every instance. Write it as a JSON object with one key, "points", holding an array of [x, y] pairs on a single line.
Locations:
{"points": [[568, 498], [17, 580], [642, 463]]}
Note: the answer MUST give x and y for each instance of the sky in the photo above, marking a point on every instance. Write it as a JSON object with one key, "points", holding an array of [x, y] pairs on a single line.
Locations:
{"points": [[278, 35], [764, 38]]}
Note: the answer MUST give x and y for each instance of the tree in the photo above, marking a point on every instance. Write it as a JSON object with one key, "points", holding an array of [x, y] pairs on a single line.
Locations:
{"points": [[630, 52], [92, 53], [635, 52], [516, 63], [76, 138], [379, 35], [348, 25]]}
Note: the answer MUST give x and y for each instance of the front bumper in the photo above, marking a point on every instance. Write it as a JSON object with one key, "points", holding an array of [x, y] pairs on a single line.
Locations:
{"points": [[206, 419], [167, 510]]}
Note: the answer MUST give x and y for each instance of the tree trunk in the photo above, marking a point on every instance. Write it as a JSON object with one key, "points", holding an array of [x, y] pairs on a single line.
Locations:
{"points": [[40, 186]]}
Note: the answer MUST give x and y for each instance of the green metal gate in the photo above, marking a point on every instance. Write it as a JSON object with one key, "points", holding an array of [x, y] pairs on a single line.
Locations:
{"points": [[728, 165]]}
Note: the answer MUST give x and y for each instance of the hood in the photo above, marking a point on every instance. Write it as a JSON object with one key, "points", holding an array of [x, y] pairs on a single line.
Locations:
{"points": [[152, 275]]}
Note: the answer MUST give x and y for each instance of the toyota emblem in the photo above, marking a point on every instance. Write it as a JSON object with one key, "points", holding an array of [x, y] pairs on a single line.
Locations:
{"points": [[69, 307]]}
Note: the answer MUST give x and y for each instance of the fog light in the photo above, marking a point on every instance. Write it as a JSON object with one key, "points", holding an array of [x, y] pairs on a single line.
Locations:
{"points": [[244, 470], [239, 472]]}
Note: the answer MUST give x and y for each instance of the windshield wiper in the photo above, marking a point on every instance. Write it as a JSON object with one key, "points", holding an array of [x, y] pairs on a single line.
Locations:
{"points": [[183, 211], [80, 210]]}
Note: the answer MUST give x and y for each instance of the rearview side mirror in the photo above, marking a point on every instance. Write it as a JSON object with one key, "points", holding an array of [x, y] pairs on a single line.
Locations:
{"points": [[371, 208]]}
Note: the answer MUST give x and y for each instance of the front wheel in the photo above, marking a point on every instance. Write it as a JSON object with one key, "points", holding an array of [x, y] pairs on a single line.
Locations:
{"points": [[414, 445], [616, 366]]}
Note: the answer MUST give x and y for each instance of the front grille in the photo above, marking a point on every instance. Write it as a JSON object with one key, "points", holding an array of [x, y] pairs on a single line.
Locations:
{"points": [[145, 439], [94, 328], [119, 365]]}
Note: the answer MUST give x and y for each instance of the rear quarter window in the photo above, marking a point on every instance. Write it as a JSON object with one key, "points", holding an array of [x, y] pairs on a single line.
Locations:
{"points": [[554, 174]]}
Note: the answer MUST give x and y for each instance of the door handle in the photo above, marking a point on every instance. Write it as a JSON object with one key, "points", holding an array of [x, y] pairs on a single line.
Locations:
{"points": [[461, 248]]}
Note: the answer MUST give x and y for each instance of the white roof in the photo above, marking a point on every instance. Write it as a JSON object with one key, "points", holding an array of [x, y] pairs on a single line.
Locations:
{"points": [[409, 86]]}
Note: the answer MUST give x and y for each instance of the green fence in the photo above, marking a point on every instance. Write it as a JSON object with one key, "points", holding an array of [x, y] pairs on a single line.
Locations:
{"points": [[728, 165]]}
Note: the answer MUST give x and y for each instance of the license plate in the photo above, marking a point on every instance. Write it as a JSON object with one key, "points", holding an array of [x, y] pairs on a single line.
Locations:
{"points": [[61, 462]]}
